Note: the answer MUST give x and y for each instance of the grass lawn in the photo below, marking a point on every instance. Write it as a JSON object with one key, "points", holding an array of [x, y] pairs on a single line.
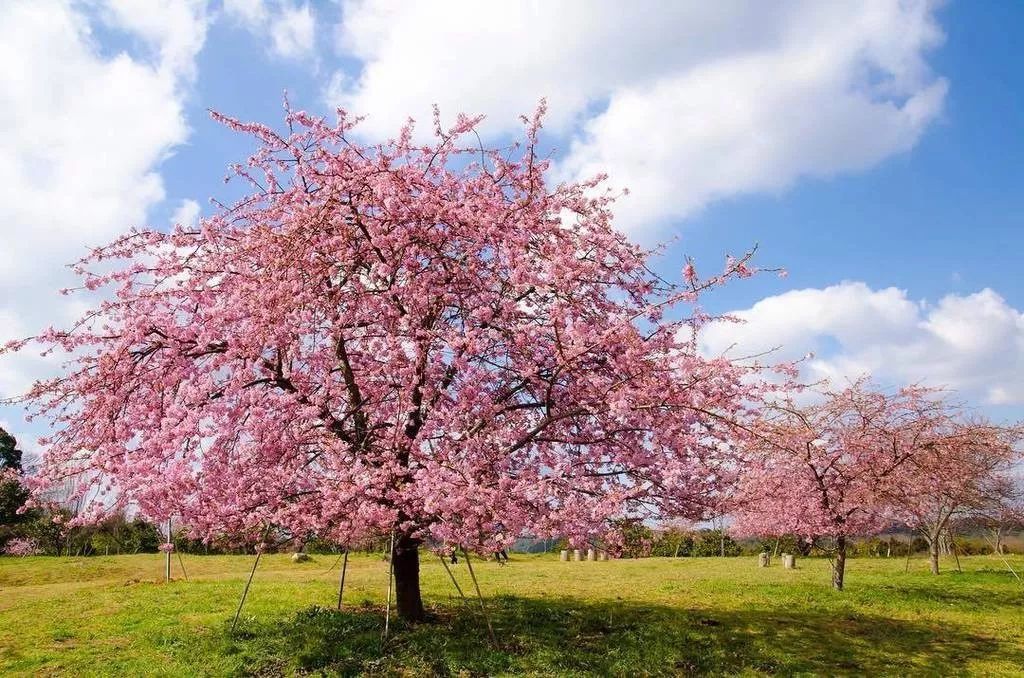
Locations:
{"points": [[114, 615]]}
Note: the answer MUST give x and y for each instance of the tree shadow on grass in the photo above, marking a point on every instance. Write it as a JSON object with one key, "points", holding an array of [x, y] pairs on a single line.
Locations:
{"points": [[974, 598], [568, 637]]}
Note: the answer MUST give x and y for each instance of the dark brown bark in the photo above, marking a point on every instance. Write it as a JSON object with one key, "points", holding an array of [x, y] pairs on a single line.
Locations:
{"points": [[407, 579], [839, 566]]}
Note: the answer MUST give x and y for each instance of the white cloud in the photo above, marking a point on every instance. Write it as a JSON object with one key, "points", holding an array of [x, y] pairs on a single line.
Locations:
{"points": [[251, 13], [684, 102], [175, 28], [84, 133], [973, 343], [187, 213], [293, 32], [290, 27]]}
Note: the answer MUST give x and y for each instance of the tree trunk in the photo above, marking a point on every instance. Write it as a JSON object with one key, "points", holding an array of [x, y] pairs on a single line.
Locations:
{"points": [[839, 567], [407, 579], [933, 555]]}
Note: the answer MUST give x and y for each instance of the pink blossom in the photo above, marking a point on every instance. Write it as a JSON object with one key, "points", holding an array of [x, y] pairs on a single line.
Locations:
{"points": [[21, 547], [389, 340]]}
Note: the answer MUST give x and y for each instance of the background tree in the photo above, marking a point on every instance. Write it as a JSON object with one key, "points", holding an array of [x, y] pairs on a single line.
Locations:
{"points": [[13, 493], [714, 542], [1000, 511], [10, 455], [424, 341], [956, 472], [822, 470], [674, 538]]}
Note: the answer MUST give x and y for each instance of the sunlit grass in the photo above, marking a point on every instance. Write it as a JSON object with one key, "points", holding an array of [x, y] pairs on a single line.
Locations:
{"points": [[627, 617]]}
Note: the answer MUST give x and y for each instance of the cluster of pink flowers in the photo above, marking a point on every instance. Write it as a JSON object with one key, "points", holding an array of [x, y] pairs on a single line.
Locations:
{"points": [[856, 460], [21, 547], [166, 547], [429, 340]]}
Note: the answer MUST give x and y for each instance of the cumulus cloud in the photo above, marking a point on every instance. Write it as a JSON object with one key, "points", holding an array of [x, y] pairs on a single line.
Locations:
{"points": [[683, 102], [176, 29], [187, 213], [290, 28], [292, 34], [973, 343], [84, 133], [251, 13]]}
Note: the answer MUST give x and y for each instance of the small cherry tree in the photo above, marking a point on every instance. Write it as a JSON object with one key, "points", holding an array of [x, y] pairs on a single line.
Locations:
{"points": [[820, 470], [424, 341], [963, 467], [1000, 510]]}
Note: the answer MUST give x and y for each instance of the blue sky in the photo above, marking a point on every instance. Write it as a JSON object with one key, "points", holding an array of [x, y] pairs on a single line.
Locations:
{"points": [[872, 149]]}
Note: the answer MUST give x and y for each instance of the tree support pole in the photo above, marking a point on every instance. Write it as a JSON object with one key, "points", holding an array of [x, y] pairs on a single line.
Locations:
{"points": [[1006, 562], [245, 592], [167, 559], [181, 563], [341, 584], [483, 609], [391, 579], [248, 582], [452, 576]]}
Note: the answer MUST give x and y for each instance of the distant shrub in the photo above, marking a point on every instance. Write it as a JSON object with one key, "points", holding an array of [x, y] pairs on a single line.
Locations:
{"points": [[20, 546], [713, 543]]}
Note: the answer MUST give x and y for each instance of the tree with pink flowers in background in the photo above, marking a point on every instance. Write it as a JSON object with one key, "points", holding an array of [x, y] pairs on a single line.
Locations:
{"points": [[1001, 508], [963, 467], [423, 341], [822, 468]]}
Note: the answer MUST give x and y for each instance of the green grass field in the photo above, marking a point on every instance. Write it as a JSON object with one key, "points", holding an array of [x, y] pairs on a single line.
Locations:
{"points": [[114, 615]]}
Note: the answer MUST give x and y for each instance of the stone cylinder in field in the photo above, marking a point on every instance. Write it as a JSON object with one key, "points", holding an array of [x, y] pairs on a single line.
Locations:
{"points": [[576, 555], [591, 554], [789, 561], [602, 555], [764, 559], [563, 555]]}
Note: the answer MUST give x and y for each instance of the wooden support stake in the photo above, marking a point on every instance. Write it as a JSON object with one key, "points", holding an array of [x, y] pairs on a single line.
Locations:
{"points": [[182, 564], [391, 578], [452, 576], [341, 584], [1005, 561], [167, 560], [248, 583], [245, 592], [483, 610]]}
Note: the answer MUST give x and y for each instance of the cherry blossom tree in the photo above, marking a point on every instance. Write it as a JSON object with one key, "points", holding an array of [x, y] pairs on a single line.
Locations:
{"points": [[821, 470], [1000, 510], [424, 341], [963, 467]]}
